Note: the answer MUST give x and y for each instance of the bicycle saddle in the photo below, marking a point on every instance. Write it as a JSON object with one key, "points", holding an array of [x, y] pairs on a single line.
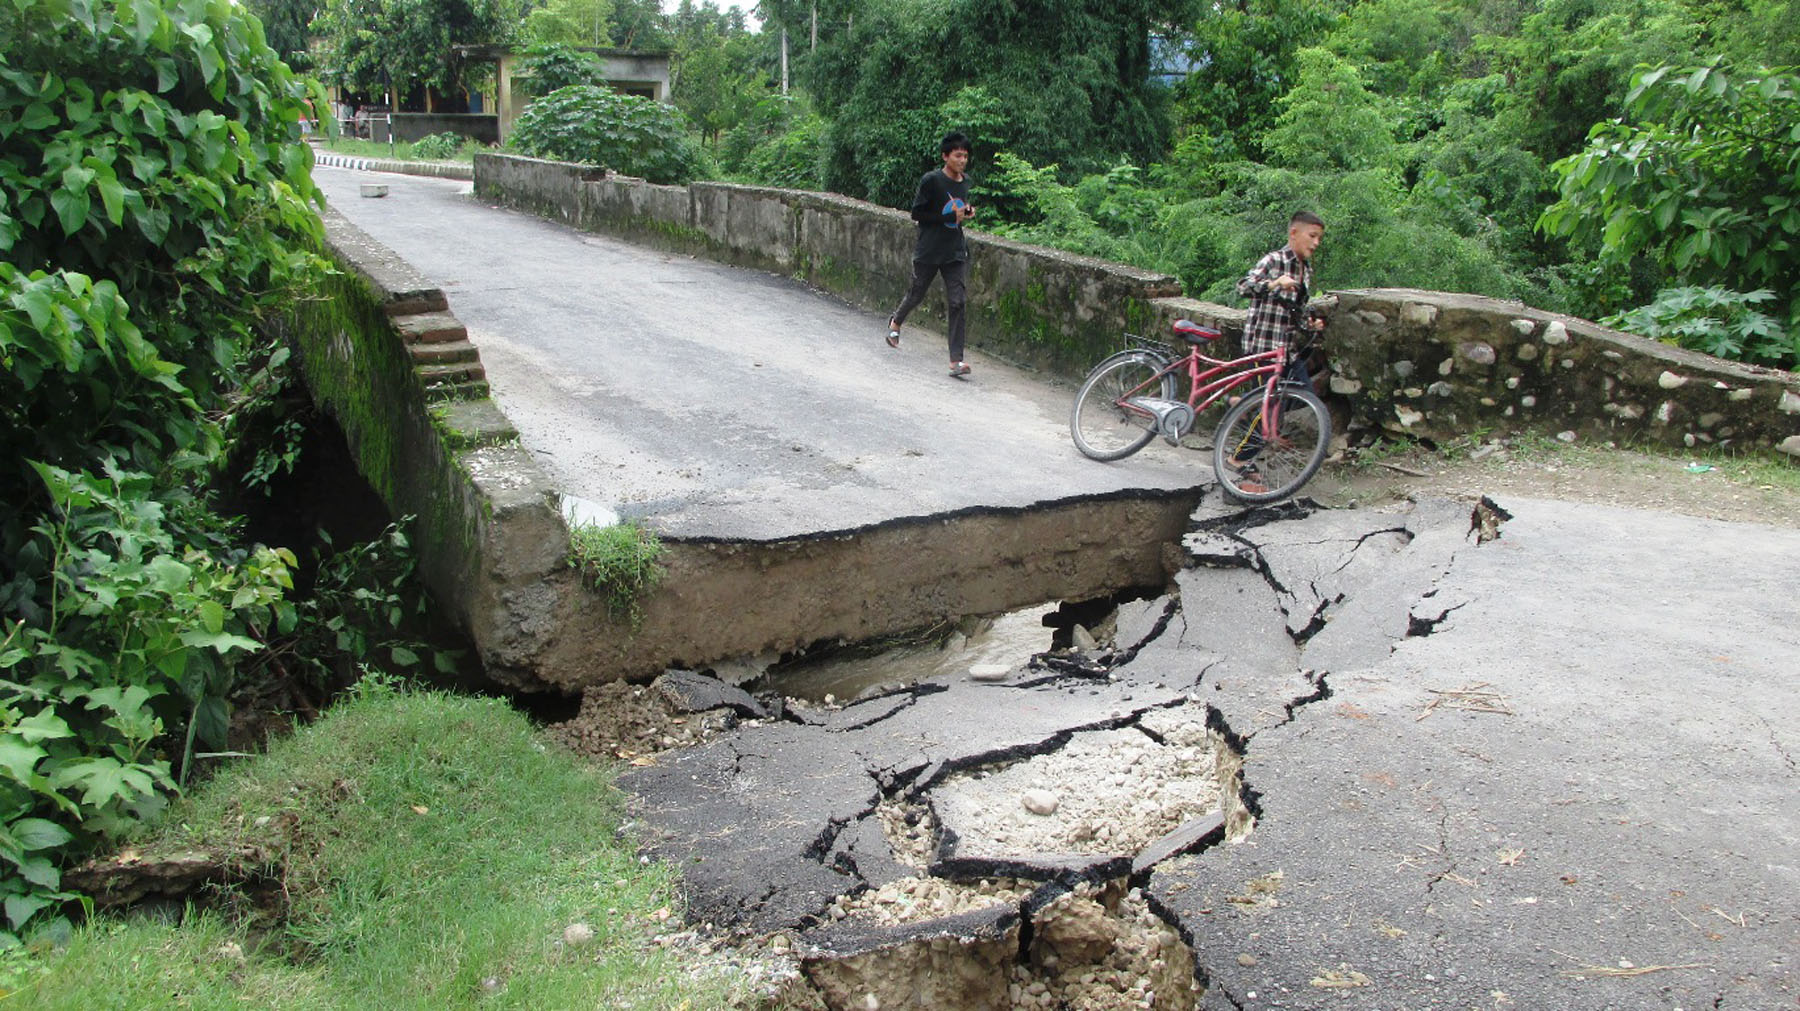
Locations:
{"points": [[1194, 333]]}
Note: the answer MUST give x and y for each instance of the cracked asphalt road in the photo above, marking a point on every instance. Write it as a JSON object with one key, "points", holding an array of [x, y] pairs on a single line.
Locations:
{"points": [[1552, 770]]}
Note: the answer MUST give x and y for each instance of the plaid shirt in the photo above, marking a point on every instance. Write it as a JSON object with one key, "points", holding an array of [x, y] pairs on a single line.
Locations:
{"points": [[1274, 313]]}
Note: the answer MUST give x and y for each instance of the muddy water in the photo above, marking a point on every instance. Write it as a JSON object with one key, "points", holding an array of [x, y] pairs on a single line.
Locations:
{"points": [[1009, 639]]}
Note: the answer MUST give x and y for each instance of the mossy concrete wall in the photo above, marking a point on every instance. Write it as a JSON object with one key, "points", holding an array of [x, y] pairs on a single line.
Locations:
{"points": [[423, 433], [1026, 303]]}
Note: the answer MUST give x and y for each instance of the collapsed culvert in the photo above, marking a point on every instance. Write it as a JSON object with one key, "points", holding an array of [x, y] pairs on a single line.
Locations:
{"points": [[961, 842], [973, 877], [1086, 946], [1021, 894]]}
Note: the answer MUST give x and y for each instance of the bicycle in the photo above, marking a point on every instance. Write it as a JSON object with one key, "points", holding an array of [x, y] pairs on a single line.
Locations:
{"points": [[1268, 444]]}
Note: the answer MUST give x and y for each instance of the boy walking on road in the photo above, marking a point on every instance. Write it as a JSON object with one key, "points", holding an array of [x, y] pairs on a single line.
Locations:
{"points": [[941, 207], [1278, 288]]}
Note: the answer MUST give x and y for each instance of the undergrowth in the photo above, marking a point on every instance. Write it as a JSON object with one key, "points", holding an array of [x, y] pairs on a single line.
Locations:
{"points": [[621, 561], [430, 851]]}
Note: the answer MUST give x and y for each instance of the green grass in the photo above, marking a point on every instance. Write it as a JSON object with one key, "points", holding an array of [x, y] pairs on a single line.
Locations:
{"points": [[401, 152], [432, 850], [621, 562]]}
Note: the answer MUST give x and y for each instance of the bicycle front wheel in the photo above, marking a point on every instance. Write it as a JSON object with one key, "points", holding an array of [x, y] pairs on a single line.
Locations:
{"points": [[1266, 455], [1103, 423]]}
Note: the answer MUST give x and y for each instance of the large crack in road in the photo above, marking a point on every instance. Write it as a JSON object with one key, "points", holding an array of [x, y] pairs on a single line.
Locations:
{"points": [[1320, 772], [950, 816]]}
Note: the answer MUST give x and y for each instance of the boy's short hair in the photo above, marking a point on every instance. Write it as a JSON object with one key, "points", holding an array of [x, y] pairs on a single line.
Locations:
{"points": [[953, 141], [1306, 218]]}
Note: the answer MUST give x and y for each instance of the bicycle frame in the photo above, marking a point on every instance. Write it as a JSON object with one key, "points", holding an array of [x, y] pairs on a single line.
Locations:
{"points": [[1205, 388]]}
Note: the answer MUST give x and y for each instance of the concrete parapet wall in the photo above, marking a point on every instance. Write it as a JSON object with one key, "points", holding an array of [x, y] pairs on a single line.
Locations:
{"points": [[1026, 303]]}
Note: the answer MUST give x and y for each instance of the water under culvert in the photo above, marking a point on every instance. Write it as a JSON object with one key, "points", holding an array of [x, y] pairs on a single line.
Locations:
{"points": [[947, 651]]}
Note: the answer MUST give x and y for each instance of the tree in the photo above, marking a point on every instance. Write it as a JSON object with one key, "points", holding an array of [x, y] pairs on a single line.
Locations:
{"points": [[598, 126], [1703, 181], [571, 23], [288, 26], [1571, 63], [717, 77], [1329, 121], [1243, 61], [392, 45], [1062, 82], [553, 66]]}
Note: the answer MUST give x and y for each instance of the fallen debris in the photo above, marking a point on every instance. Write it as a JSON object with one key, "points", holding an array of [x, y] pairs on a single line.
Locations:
{"points": [[1474, 698]]}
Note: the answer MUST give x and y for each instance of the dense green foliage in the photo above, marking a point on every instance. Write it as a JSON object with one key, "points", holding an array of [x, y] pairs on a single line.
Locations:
{"points": [[153, 205], [570, 23], [553, 66], [1703, 182], [598, 126], [375, 45], [1065, 82]]}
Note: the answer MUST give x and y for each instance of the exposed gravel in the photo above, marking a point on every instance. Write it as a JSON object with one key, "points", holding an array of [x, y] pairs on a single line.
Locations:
{"points": [[1114, 791], [626, 721], [911, 900]]}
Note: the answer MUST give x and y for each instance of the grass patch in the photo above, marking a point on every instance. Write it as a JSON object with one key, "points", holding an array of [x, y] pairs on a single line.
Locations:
{"points": [[400, 152], [432, 849], [621, 561]]}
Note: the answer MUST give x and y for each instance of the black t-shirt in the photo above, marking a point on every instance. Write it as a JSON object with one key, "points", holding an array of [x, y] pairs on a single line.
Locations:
{"points": [[934, 208]]}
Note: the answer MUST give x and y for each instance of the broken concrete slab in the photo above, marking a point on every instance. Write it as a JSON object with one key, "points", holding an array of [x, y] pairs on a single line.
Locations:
{"points": [[692, 692]]}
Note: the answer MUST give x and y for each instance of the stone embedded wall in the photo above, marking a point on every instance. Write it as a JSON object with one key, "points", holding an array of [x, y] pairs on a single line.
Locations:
{"points": [[1442, 366], [1027, 303]]}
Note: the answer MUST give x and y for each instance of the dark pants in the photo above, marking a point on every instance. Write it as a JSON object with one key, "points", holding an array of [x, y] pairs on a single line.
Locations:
{"points": [[1296, 373], [956, 296]]}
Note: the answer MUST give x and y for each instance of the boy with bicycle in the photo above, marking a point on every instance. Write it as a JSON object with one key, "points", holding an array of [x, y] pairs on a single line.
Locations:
{"points": [[1278, 288]]}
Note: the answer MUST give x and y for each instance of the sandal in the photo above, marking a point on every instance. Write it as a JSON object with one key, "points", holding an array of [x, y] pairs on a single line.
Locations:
{"points": [[1250, 480], [893, 337]]}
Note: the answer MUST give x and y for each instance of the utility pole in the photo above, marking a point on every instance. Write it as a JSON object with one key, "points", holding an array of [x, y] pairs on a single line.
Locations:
{"points": [[784, 65]]}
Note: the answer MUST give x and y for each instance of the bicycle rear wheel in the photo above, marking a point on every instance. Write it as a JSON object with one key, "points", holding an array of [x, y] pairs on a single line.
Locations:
{"points": [[1258, 462], [1106, 429]]}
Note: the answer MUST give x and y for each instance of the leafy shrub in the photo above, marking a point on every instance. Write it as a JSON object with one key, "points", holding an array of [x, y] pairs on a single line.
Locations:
{"points": [[366, 605], [1702, 179], [621, 560], [154, 203], [438, 146], [141, 633], [598, 126], [1725, 324], [553, 66]]}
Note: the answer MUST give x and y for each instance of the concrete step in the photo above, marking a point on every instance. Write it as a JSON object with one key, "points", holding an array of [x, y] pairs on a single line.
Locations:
{"points": [[475, 390], [430, 328], [444, 353], [414, 302], [451, 372]]}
